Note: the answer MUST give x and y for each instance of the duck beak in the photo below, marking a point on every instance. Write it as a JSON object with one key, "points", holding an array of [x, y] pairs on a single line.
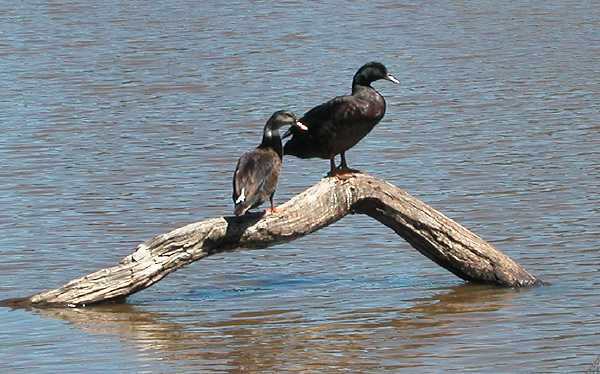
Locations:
{"points": [[290, 131], [392, 79]]}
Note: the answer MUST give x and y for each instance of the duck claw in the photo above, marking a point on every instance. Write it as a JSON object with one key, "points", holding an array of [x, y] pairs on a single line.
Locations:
{"points": [[342, 173], [271, 211]]}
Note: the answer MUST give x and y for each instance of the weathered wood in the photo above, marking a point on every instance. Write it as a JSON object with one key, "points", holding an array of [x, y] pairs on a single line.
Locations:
{"points": [[436, 236]]}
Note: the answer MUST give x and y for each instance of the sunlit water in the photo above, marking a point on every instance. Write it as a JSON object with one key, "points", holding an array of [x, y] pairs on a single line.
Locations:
{"points": [[120, 121]]}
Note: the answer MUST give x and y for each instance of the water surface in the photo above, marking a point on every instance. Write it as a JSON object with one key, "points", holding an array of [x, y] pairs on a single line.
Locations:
{"points": [[124, 120]]}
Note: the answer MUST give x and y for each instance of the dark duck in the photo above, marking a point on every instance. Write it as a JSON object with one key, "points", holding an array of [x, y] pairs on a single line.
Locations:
{"points": [[257, 171], [337, 125]]}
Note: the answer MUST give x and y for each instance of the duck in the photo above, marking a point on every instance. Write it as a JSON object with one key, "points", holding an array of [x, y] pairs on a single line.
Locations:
{"points": [[340, 123], [257, 171]]}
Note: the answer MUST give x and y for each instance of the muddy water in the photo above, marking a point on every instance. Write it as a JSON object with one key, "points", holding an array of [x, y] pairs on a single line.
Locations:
{"points": [[122, 121]]}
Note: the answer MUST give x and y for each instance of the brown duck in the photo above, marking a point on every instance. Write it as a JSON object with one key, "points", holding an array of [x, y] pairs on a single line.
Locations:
{"points": [[257, 171]]}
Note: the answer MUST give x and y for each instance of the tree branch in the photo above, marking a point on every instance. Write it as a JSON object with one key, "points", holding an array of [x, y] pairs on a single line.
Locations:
{"points": [[436, 236]]}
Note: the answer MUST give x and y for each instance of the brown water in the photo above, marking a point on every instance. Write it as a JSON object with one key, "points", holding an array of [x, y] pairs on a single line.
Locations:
{"points": [[122, 121]]}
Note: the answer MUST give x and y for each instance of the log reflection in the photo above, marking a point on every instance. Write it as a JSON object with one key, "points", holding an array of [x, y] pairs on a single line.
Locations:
{"points": [[361, 340]]}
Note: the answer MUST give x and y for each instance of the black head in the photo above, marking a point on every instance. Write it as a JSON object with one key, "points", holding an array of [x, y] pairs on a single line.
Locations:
{"points": [[371, 72]]}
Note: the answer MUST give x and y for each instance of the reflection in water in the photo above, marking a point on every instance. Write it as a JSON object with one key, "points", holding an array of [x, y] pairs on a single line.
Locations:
{"points": [[274, 340]]}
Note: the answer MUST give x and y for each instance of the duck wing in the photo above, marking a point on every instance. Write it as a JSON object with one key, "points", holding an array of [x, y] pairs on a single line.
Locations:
{"points": [[255, 178], [322, 122], [335, 110]]}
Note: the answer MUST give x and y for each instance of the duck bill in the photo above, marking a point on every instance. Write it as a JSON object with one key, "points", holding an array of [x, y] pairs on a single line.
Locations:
{"points": [[392, 79], [290, 131]]}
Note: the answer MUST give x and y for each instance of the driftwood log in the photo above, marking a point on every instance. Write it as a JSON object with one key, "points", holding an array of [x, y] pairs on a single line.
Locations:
{"points": [[436, 236]]}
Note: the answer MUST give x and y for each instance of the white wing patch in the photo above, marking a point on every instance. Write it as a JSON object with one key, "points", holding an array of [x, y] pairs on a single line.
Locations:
{"points": [[242, 197]]}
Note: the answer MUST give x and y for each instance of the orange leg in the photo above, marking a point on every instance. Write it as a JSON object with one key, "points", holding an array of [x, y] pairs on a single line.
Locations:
{"points": [[272, 209]]}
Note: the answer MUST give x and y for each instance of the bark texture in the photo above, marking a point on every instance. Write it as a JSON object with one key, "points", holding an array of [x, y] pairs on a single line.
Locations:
{"points": [[436, 236]]}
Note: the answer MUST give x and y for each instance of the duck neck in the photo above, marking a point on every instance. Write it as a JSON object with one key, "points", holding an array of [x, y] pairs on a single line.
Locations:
{"points": [[358, 88], [271, 139], [360, 82]]}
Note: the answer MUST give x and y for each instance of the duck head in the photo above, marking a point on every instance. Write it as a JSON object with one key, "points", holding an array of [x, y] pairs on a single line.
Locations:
{"points": [[278, 120], [281, 119], [370, 72]]}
